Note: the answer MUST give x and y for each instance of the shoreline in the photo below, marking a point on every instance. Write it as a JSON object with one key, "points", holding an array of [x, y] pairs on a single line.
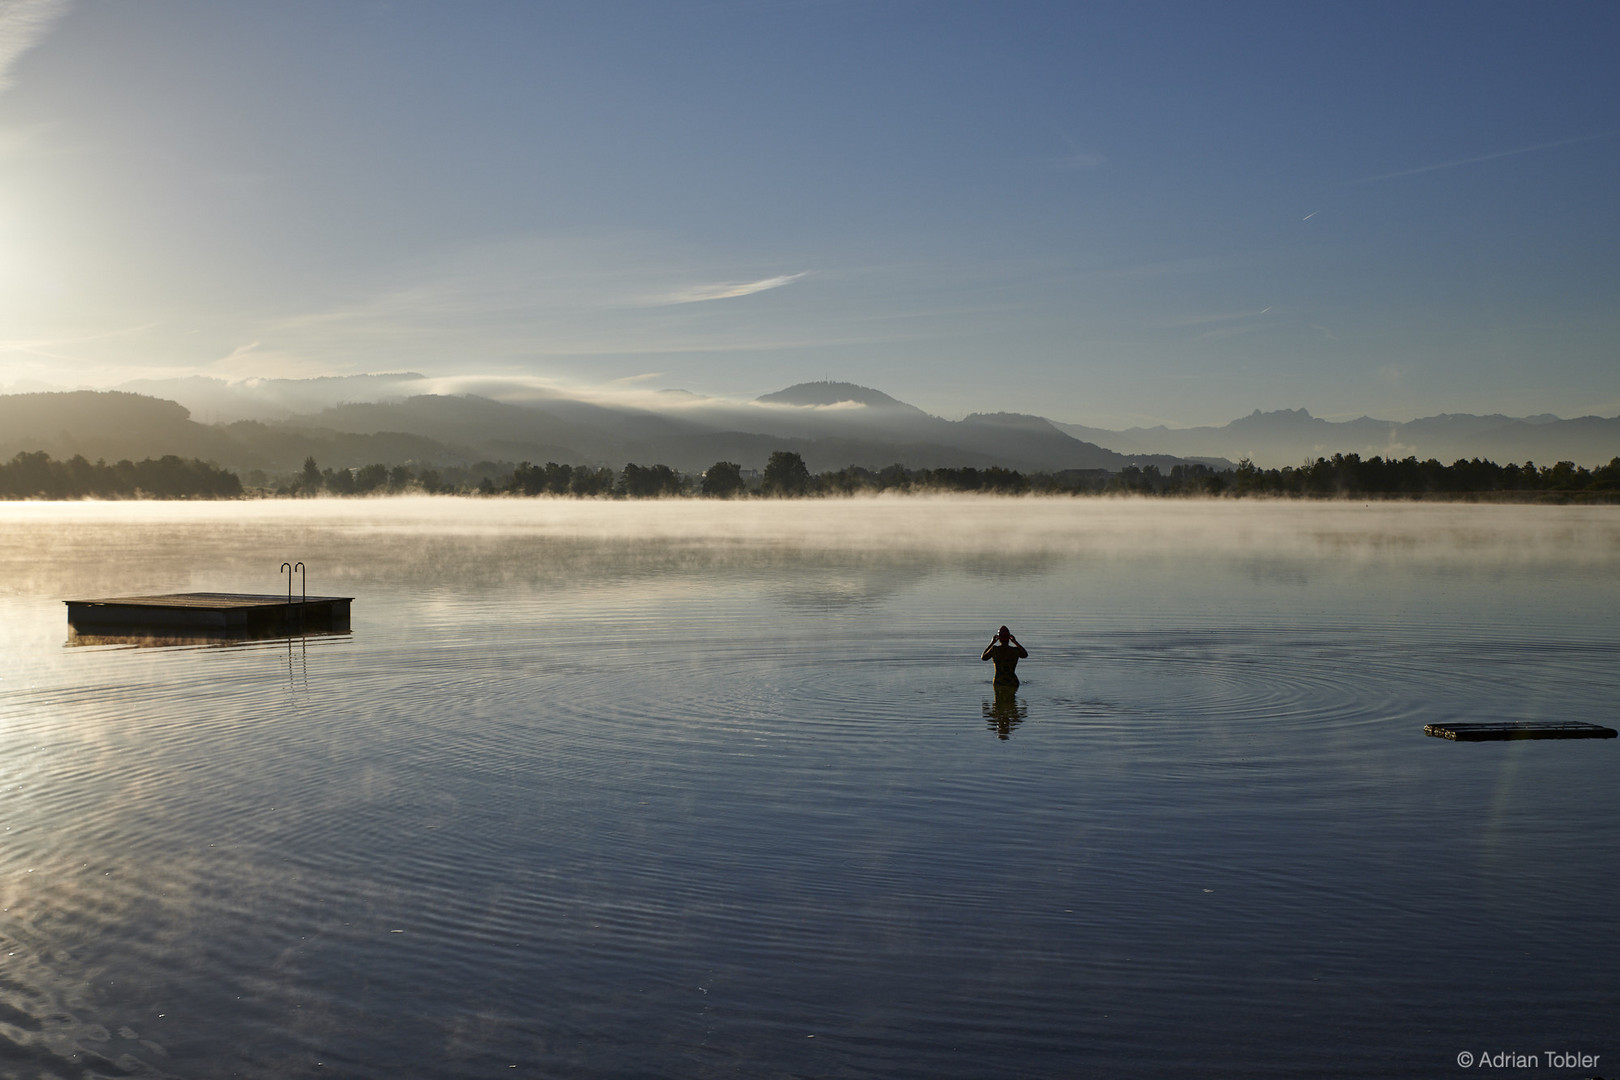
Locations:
{"points": [[1493, 498]]}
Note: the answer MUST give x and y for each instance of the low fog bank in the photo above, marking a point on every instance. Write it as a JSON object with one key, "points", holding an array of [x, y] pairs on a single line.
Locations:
{"points": [[960, 524]]}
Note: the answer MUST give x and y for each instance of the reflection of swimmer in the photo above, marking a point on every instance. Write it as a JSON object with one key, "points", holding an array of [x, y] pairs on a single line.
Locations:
{"points": [[1006, 652], [1006, 713]]}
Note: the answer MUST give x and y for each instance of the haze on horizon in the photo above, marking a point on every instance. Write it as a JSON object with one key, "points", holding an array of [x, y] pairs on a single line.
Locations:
{"points": [[1109, 214]]}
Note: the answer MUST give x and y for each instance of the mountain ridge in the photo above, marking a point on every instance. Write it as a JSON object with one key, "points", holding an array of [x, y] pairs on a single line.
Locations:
{"points": [[830, 393], [1286, 437], [830, 424], [873, 432]]}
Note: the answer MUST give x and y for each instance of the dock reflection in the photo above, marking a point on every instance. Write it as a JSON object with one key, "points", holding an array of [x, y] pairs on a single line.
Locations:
{"points": [[191, 638], [1005, 712]]}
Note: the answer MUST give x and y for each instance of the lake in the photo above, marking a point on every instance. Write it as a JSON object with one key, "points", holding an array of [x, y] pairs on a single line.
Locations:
{"points": [[684, 789]]}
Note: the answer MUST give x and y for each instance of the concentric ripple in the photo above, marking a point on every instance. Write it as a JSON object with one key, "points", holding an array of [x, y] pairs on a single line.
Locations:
{"points": [[600, 806]]}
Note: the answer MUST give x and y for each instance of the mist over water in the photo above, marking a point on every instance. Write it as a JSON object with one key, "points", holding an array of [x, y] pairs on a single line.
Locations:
{"points": [[694, 789], [905, 524]]}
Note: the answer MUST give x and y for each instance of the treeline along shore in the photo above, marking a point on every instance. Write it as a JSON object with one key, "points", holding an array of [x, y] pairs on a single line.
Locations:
{"points": [[36, 475]]}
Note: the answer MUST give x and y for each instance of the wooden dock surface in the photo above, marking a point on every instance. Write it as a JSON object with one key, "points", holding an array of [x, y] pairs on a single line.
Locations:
{"points": [[1519, 729], [210, 612]]}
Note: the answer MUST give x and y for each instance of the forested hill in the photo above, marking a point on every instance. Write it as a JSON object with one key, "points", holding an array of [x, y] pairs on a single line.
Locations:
{"points": [[831, 425], [103, 424], [114, 426], [463, 429]]}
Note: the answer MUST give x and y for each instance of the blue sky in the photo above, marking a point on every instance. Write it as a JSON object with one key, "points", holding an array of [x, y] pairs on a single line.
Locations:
{"points": [[1103, 213]]}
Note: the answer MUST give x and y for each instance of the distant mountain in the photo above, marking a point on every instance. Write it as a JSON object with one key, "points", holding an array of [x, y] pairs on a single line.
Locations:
{"points": [[277, 448], [873, 432], [103, 424], [831, 425], [836, 393], [114, 425], [1291, 436], [358, 421], [216, 400]]}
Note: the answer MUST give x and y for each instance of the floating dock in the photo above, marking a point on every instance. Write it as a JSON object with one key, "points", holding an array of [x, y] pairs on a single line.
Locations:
{"points": [[208, 614], [1519, 729]]}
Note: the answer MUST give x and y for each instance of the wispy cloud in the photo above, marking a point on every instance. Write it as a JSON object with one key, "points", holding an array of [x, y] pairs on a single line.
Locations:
{"points": [[1479, 158], [1075, 159], [1078, 161], [22, 24], [727, 290], [1198, 264], [618, 304], [1194, 321], [240, 351], [1221, 333], [241, 360], [62, 348]]}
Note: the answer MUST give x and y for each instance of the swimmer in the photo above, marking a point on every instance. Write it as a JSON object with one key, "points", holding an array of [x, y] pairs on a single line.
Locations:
{"points": [[1006, 652]]}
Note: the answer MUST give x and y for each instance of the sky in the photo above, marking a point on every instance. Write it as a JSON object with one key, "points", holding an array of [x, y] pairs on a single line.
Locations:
{"points": [[1104, 213]]}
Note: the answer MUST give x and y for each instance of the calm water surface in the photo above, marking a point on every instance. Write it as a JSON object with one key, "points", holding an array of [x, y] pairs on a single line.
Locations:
{"points": [[611, 790]]}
